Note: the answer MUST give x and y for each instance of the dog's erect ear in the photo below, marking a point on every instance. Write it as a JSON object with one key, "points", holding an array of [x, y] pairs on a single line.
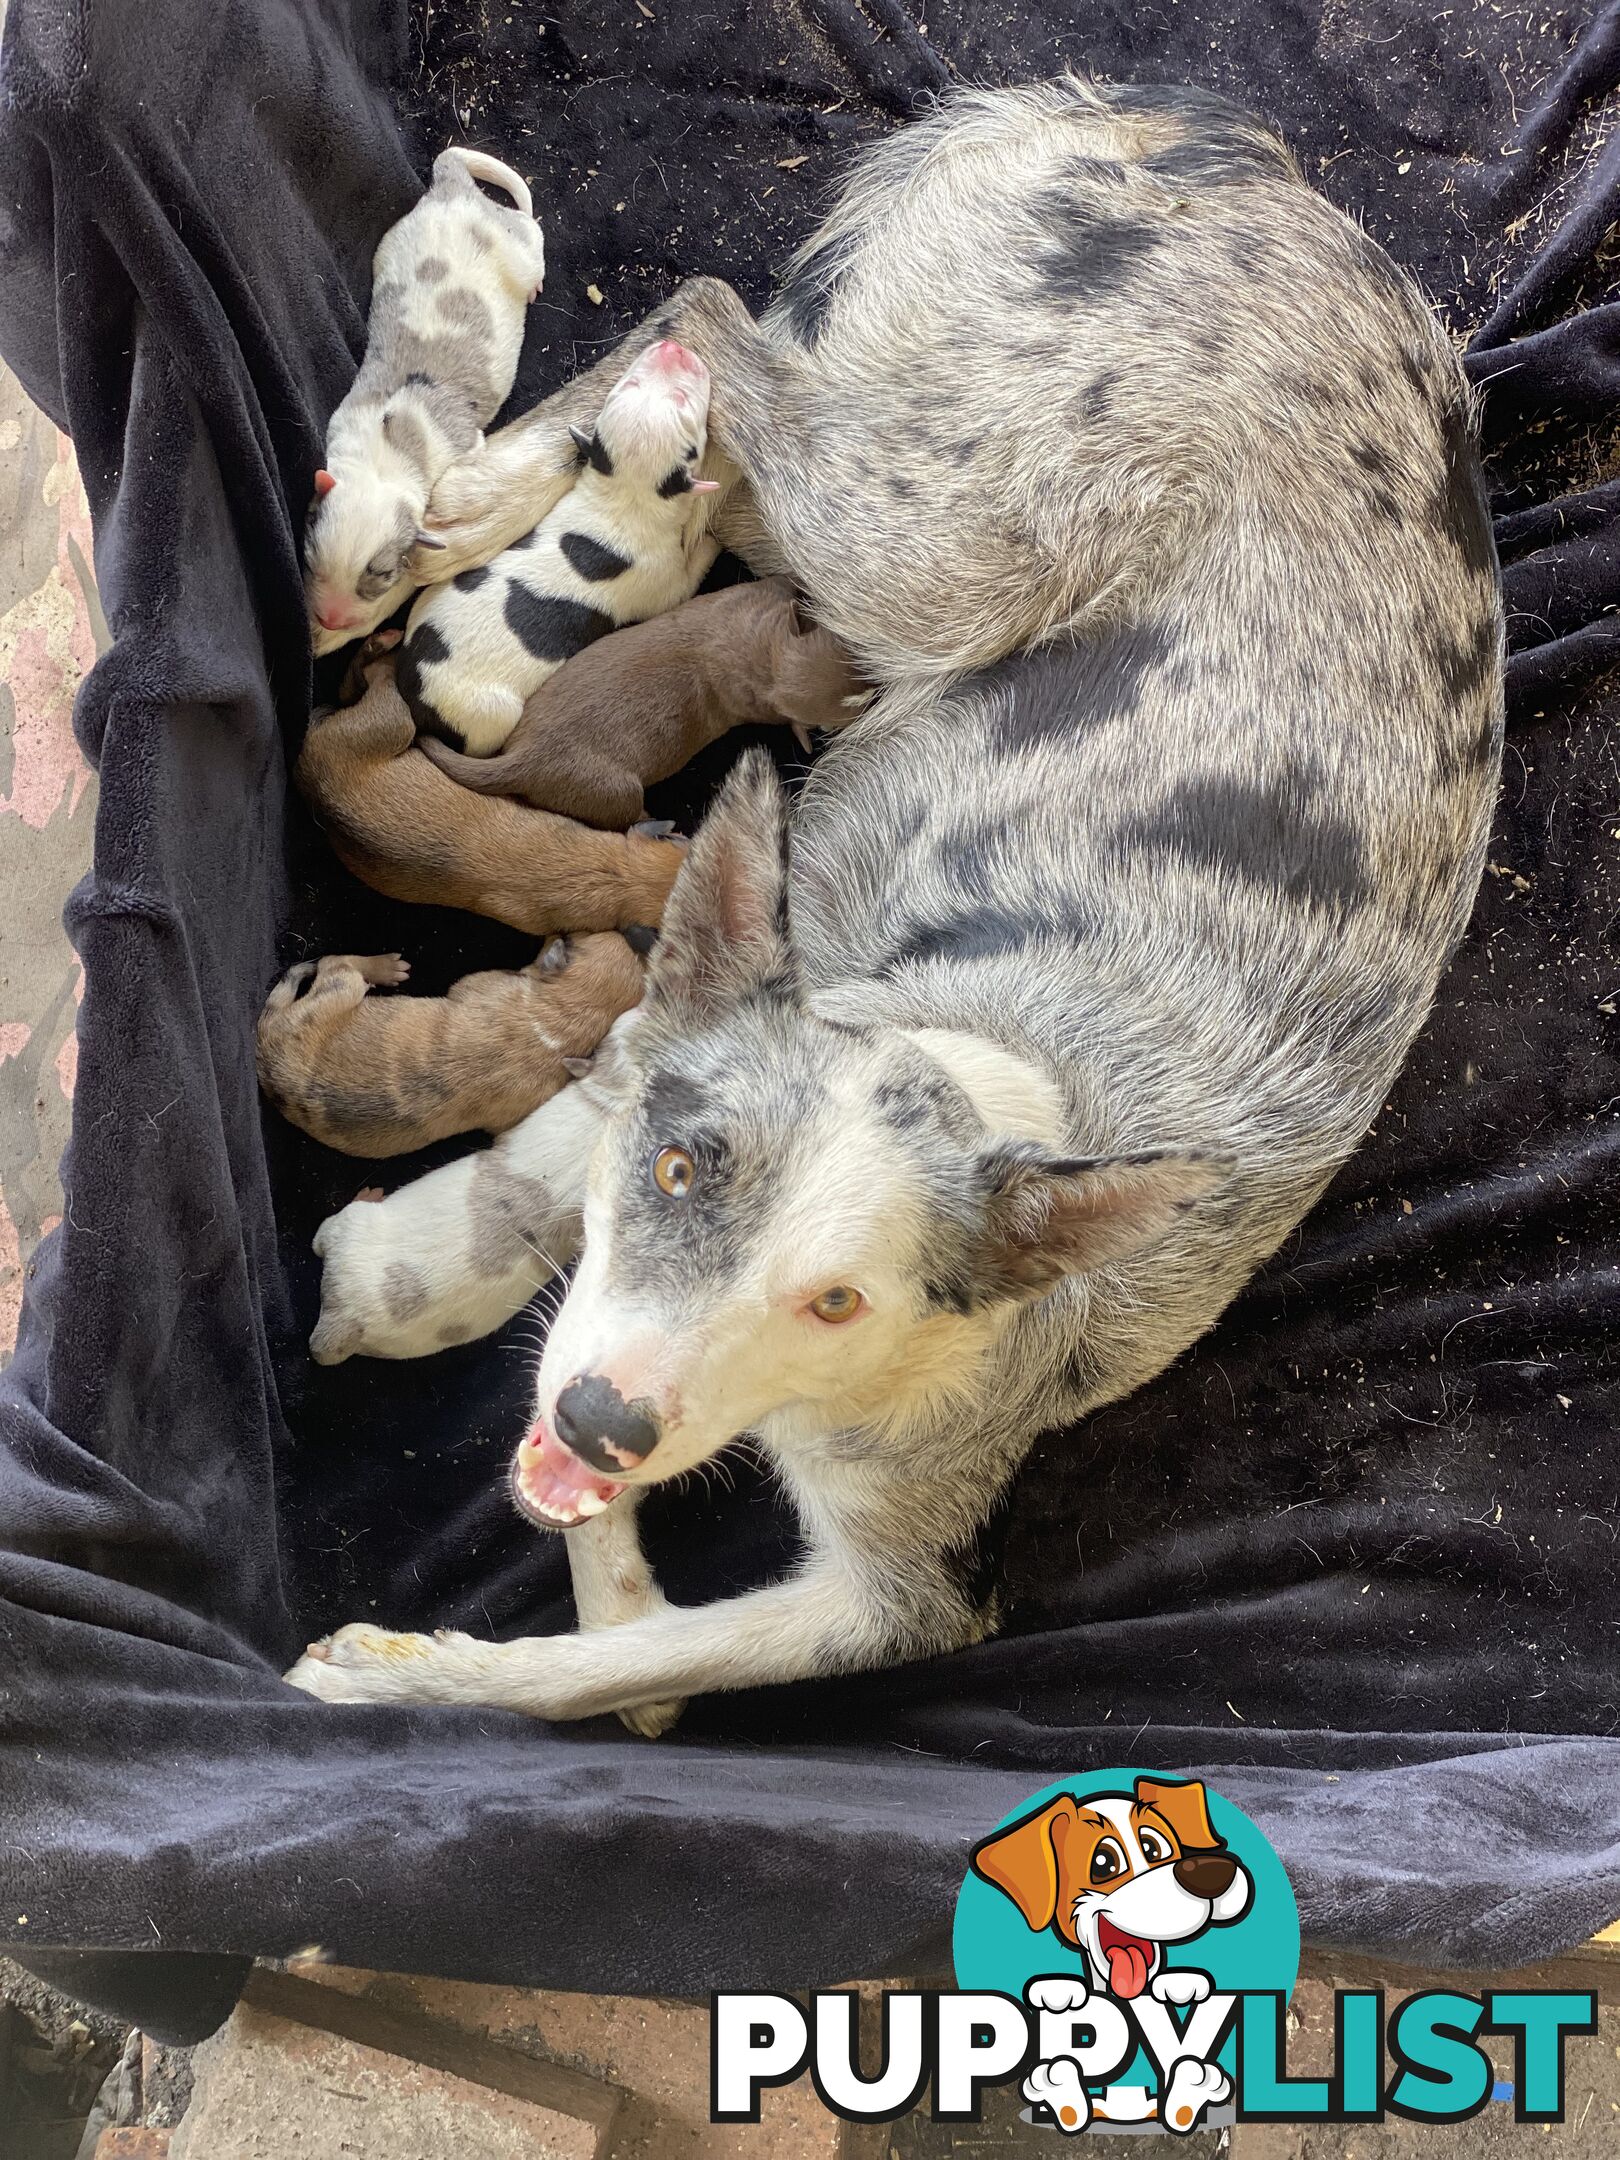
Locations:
{"points": [[1185, 1808], [1051, 1215], [1023, 1863], [725, 933]]}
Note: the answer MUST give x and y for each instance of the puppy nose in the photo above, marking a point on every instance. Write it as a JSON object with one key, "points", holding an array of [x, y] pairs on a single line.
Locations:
{"points": [[674, 358], [1207, 1874], [593, 1419]]}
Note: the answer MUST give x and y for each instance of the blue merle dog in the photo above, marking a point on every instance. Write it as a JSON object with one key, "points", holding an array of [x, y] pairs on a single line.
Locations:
{"points": [[967, 1093]]}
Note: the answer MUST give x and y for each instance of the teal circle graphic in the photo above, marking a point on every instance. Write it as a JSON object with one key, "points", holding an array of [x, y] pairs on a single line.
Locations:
{"points": [[994, 1948]]}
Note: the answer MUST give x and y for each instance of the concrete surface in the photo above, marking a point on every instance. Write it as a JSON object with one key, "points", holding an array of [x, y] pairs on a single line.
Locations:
{"points": [[269, 2090]]}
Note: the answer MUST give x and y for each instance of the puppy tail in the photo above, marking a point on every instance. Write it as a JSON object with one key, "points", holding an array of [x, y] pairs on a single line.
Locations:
{"points": [[478, 165], [484, 775]]}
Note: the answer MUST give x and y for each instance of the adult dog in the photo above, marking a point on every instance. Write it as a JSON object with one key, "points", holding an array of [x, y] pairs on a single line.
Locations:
{"points": [[966, 1096]]}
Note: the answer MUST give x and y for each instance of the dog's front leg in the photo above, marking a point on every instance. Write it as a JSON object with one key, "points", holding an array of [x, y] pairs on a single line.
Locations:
{"points": [[491, 498], [826, 1619], [614, 1586]]}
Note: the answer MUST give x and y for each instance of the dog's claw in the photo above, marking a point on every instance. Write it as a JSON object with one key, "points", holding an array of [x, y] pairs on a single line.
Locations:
{"points": [[653, 828]]}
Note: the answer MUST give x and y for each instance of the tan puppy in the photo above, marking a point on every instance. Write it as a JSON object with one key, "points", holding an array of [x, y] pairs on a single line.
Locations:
{"points": [[415, 835], [634, 707], [382, 1077]]}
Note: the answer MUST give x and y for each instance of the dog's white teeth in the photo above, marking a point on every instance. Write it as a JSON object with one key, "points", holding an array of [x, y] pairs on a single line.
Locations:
{"points": [[591, 1503]]}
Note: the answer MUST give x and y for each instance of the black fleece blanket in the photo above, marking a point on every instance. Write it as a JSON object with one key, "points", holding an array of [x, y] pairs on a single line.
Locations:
{"points": [[1353, 1558]]}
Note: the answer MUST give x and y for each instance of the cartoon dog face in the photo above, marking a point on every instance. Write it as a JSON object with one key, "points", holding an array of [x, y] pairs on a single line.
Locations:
{"points": [[1118, 1875]]}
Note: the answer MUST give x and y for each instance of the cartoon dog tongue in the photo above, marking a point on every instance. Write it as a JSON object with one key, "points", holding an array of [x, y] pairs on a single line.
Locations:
{"points": [[1129, 1959]]}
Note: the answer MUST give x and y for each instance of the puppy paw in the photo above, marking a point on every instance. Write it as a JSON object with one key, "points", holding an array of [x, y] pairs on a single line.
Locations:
{"points": [[1058, 2086], [1180, 1986], [1058, 1992], [388, 970]]}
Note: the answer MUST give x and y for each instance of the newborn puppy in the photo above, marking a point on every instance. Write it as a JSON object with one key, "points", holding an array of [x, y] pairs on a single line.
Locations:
{"points": [[623, 544], [635, 707], [453, 1255], [415, 835], [380, 1077], [450, 286]]}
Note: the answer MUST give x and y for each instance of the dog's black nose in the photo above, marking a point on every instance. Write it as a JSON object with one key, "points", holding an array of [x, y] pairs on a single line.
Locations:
{"points": [[1205, 1874], [594, 1419]]}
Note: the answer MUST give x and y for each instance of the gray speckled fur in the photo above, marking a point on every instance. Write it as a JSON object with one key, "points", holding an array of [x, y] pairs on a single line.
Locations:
{"points": [[1147, 487]]}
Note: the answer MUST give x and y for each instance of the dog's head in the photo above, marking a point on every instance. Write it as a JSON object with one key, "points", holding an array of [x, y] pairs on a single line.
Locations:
{"points": [[1118, 1875], [789, 1218]]}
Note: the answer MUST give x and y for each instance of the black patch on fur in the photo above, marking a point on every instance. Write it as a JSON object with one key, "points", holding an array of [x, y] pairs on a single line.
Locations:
{"points": [[1383, 504], [1060, 691], [1094, 253], [417, 379], [676, 482], [1460, 510], [811, 288], [1096, 399], [1262, 833], [984, 930], [1465, 664], [589, 559], [470, 580], [1480, 753], [1371, 458], [425, 648], [550, 628], [596, 457]]}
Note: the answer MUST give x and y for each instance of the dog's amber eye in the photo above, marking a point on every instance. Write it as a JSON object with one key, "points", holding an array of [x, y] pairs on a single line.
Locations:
{"points": [[837, 1305], [1108, 1861], [673, 1171], [1154, 1848]]}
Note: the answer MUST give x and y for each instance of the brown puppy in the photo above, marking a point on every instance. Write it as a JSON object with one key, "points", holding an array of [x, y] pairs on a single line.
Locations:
{"points": [[634, 707], [415, 835], [381, 1077]]}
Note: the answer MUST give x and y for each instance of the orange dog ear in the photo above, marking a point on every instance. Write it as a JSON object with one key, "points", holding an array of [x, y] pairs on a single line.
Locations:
{"points": [[1022, 1863], [1184, 1808]]}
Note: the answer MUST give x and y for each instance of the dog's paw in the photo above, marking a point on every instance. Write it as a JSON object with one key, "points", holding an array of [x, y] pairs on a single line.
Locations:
{"points": [[1193, 2086], [652, 1720], [1180, 1985], [1057, 2085], [366, 1664], [1058, 1992]]}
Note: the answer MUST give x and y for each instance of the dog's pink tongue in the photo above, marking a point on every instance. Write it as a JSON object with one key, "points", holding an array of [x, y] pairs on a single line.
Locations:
{"points": [[555, 1480], [1127, 1969]]}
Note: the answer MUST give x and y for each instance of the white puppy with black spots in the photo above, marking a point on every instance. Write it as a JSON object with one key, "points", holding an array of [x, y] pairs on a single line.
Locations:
{"points": [[627, 542]]}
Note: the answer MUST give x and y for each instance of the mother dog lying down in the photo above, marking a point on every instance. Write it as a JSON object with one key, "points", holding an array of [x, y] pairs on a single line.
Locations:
{"points": [[966, 1095]]}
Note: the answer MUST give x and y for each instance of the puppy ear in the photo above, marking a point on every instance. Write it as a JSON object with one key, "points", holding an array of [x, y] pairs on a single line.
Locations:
{"points": [[1049, 1215], [1183, 1804], [725, 930], [1022, 1863]]}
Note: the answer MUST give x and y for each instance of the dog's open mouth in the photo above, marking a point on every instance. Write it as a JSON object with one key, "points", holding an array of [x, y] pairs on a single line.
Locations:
{"points": [[552, 1487], [1129, 1959]]}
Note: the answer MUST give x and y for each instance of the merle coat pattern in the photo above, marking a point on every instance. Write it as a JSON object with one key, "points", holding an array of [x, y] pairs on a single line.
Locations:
{"points": [[1147, 487]]}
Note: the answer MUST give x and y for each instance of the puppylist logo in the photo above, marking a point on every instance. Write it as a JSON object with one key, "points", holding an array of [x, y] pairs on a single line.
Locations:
{"points": [[1125, 1948]]}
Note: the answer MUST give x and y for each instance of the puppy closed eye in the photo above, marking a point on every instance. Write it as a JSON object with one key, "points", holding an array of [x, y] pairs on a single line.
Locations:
{"points": [[842, 1302]]}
